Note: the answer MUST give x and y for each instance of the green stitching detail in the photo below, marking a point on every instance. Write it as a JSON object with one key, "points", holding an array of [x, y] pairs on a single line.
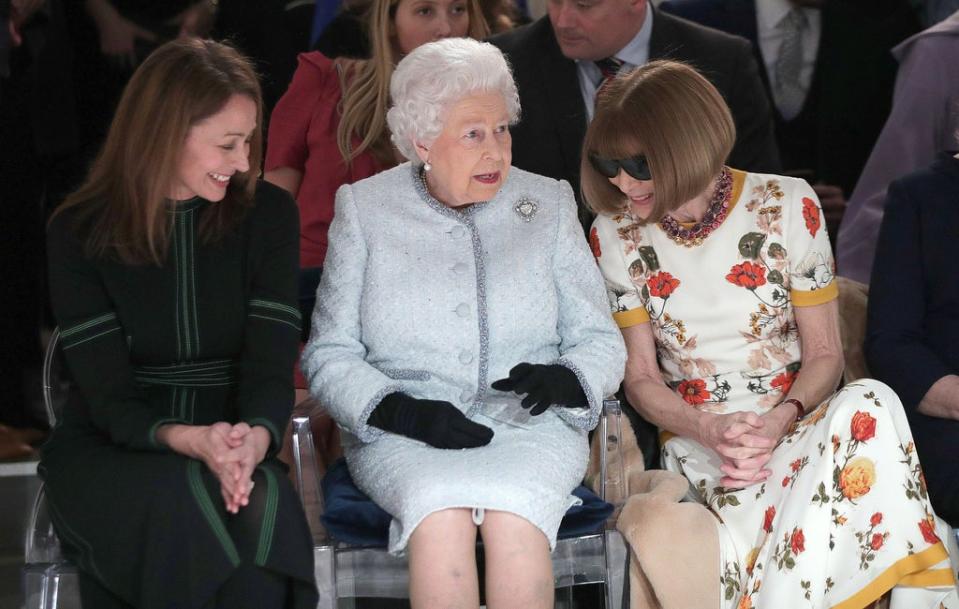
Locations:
{"points": [[207, 365], [280, 321], [269, 304], [186, 292], [89, 338], [209, 512], [74, 538], [193, 302], [188, 383], [176, 297], [269, 517], [87, 324]]}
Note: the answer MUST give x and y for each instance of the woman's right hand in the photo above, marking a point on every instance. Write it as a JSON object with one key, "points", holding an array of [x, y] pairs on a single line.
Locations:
{"points": [[217, 447], [437, 423], [739, 441]]}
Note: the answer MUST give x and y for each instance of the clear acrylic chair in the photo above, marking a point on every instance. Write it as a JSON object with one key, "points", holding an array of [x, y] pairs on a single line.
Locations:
{"points": [[345, 573], [49, 580]]}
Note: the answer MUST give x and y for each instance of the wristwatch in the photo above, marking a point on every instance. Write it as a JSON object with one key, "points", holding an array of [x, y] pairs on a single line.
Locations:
{"points": [[800, 409]]}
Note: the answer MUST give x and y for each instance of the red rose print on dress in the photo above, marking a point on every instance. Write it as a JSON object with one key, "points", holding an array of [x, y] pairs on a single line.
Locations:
{"points": [[662, 284], [594, 243], [863, 426], [784, 381], [797, 541], [747, 275], [693, 391], [768, 519], [810, 213], [876, 542], [928, 531], [876, 519]]}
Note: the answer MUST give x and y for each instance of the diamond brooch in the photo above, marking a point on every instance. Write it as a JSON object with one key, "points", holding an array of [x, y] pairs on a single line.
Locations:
{"points": [[526, 208]]}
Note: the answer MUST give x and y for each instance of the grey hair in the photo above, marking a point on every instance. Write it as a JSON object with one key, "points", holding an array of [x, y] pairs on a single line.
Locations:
{"points": [[435, 76]]}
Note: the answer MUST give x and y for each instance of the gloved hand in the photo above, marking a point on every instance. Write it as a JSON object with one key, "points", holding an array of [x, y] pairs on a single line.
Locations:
{"points": [[439, 424], [544, 385]]}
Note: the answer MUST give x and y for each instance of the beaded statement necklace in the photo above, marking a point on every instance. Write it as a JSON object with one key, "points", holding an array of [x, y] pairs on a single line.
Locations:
{"points": [[715, 214]]}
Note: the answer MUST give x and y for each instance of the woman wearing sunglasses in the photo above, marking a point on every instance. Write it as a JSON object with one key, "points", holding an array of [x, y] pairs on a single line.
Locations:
{"points": [[722, 283]]}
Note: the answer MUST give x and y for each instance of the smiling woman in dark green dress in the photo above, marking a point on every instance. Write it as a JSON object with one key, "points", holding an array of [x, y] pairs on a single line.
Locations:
{"points": [[173, 280]]}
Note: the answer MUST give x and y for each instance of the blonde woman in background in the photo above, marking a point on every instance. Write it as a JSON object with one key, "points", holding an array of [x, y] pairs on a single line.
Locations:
{"points": [[329, 129]]}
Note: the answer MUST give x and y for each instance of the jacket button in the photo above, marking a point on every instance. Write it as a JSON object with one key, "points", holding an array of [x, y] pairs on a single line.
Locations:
{"points": [[460, 268], [466, 357], [458, 231], [462, 309]]}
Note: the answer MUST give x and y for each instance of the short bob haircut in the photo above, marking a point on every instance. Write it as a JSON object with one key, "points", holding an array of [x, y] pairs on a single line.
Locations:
{"points": [[435, 76], [670, 113], [123, 203]]}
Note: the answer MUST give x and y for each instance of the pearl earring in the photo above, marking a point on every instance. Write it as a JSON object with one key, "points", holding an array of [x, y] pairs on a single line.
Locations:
{"points": [[427, 166]]}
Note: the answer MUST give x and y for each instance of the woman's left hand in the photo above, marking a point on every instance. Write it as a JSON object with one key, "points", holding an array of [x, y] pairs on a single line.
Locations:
{"points": [[742, 472], [250, 446], [544, 385]]}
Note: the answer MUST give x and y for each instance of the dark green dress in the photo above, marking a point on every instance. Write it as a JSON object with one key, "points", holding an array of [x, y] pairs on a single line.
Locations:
{"points": [[209, 336]]}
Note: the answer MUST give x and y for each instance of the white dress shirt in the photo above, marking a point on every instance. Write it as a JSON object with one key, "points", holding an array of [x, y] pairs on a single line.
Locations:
{"points": [[769, 13], [635, 53]]}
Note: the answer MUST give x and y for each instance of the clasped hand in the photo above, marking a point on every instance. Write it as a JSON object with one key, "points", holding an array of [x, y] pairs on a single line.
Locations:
{"points": [[745, 443], [231, 452]]}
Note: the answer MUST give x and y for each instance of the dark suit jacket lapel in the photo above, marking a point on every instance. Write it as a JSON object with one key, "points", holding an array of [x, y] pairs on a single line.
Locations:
{"points": [[560, 80]]}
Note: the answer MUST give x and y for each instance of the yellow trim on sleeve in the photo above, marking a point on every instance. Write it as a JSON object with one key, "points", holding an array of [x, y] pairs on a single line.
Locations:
{"points": [[930, 578], [913, 566], [811, 298], [632, 317]]}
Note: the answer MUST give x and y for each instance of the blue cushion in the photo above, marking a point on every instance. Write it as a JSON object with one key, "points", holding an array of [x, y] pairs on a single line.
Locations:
{"points": [[352, 517]]}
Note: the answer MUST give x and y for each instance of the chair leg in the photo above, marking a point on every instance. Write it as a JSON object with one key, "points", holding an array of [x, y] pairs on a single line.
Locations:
{"points": [[325, 570], [616, 569]]}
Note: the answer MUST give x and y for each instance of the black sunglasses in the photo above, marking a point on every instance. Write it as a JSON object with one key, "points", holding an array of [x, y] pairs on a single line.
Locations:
{"points": [[636, 167]]}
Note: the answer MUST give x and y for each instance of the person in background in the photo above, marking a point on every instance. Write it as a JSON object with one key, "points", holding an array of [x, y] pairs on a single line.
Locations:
{"points": [[922, 124], [461, 338], [38, 140], [722, 282], [831, 91], [912, 331], [329, 128], [173, 281], [562, 60]]}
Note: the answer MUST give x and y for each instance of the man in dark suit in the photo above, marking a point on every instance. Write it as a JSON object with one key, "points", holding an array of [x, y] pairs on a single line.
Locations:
{"points": [[552, 61], [846, 92]]}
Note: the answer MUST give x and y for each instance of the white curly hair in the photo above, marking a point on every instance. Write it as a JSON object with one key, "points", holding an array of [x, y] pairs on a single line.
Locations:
{"points": [[435, 76]]}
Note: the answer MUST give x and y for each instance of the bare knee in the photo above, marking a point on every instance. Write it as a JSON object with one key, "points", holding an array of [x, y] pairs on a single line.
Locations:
{"points": [[450, 527], [508, 533], [519, 572], [442, 552]]}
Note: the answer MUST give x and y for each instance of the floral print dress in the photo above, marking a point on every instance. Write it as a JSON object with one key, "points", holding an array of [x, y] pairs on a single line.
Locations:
{"points": [[845, 516]]}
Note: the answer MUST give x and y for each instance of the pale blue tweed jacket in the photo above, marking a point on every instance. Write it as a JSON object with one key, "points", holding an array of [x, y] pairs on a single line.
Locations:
{"points": [[437, 302]]}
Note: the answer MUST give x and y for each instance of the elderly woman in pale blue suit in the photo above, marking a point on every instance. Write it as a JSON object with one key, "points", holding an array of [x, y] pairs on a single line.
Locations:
{"points": [[461, 337]]}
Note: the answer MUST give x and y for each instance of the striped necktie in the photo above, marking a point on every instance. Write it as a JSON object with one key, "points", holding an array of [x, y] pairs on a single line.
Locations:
{"points": [[609, 67], [788, 92]]}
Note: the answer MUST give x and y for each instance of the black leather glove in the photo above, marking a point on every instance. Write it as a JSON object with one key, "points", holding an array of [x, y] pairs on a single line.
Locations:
{"points": [[439, 424], [544, 385]]}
